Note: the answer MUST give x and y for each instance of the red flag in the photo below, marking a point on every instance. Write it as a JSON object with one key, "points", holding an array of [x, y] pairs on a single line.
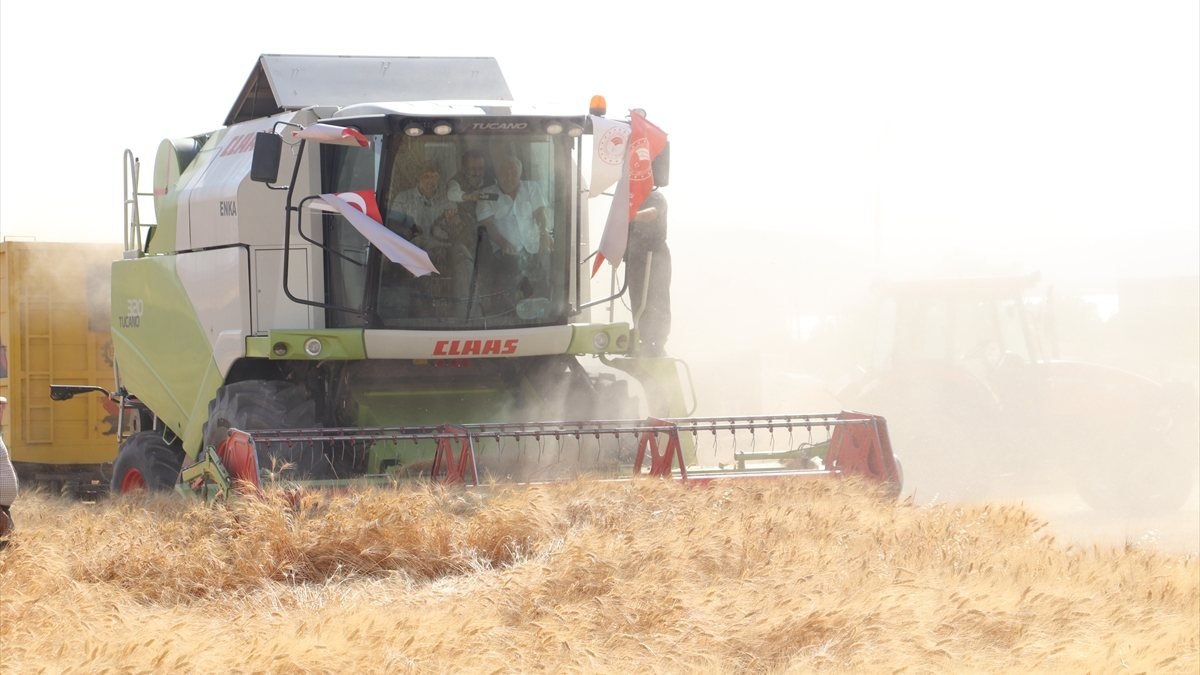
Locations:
{"points": [[646, 142]]}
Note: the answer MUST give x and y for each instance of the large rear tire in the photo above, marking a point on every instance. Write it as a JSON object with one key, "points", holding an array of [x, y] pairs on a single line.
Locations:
{"points": [[1130, 475], [945, 426], [146, 463], [269, 404]]}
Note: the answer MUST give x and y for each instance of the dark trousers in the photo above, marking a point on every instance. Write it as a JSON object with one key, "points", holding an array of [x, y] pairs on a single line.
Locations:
{"points": [[654, 323]]}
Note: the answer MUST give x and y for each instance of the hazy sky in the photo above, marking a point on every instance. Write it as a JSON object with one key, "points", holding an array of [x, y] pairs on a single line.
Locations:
{"points": [[1031, 134]]}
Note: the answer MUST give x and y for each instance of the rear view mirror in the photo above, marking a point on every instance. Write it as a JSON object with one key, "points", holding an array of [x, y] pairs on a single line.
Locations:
{"points": [[264, 167], [65, 392]]}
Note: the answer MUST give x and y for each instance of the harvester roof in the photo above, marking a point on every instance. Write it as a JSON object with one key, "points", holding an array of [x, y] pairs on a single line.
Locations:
{"points": [[282, 82]]}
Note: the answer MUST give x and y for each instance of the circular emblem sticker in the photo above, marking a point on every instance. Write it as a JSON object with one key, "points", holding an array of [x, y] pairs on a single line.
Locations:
{"points": [[639, 160], [611, 146]]}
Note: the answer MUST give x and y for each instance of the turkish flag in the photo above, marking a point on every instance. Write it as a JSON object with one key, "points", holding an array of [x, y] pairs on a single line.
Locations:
{"points": [[396, 248], [646, 142], [363, 200], [361, 210]]}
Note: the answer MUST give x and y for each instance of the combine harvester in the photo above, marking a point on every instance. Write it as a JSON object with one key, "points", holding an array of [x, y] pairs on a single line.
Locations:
{"points": [[283, 319]]}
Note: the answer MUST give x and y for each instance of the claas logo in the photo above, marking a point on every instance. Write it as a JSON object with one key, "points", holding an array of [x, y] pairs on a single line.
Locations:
{"points": [[475, 347]]}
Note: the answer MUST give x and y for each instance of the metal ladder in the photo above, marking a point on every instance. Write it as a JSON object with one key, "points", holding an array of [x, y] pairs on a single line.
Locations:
{"points": [[134, 244]]}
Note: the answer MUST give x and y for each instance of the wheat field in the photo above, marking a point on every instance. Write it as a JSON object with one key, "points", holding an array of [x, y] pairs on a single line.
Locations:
{"points": [[648, 576]]}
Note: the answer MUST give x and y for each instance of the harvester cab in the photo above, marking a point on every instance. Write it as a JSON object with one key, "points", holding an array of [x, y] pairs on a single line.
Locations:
{"points": [[379, 267]]}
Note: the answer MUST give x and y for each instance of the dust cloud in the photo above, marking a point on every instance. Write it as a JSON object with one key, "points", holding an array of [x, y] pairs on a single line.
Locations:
{"points": [[1075, 395]]}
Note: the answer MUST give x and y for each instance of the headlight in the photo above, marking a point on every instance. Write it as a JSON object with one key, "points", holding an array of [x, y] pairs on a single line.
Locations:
{"points": [[600, 340], [312, 347]]}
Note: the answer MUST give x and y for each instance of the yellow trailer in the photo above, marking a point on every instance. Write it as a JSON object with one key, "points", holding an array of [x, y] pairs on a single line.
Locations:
{"points": [[55, 328]]}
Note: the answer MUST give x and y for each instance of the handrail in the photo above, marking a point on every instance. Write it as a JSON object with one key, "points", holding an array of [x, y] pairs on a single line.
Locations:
{"points": [[133, 221], [134, 246]]}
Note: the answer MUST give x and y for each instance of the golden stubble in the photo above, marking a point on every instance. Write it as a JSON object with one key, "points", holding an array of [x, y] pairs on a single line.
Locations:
{"points": [[649, 576]]}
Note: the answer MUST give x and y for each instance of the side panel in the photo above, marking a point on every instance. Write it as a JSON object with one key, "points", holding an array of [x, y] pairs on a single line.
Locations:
{"points": [[176, 320], [54, 329], [219, 204], [210, 197], [215, 282], [273, 309]]}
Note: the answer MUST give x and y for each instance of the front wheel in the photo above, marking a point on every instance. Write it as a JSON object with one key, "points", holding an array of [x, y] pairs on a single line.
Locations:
{"points": [[252, 405], [146, 463]]}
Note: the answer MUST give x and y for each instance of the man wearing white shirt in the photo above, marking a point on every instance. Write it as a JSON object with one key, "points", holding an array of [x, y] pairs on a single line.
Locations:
{"points": [[513, 214], [516, 219]]}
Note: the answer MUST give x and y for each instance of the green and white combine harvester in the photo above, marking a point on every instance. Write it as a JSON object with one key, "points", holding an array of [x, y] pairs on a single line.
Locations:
{"points": [[264, 329]]}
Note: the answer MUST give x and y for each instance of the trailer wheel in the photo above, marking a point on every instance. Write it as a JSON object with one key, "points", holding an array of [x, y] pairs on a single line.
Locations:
{"points": [[147, 463], [268, 404]]}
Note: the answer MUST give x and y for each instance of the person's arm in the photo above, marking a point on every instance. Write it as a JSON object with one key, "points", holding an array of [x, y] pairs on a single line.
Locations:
{"points": [[398, 218], [402, 224], [545, 241], [489, 224], [485, 215], [651, 219], [653, 209], [646, 216], [456, 194], [447, 223], [538, 201]]}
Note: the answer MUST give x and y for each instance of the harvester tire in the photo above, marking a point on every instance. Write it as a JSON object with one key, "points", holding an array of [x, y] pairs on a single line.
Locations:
{"points": [[250, 405], [148, 463]]}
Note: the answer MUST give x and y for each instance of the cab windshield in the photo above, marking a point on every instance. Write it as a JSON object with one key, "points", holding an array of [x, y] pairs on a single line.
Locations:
{"points": [[492, 212]]}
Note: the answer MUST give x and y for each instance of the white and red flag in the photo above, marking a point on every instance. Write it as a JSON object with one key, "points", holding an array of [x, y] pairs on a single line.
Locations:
{"points": [[331, 134], [363, 200], [646, 142], [360, 209], [610, 145]]}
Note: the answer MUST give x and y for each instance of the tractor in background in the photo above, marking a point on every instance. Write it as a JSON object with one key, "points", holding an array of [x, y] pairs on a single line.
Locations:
{"points": [[983, 406]]}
